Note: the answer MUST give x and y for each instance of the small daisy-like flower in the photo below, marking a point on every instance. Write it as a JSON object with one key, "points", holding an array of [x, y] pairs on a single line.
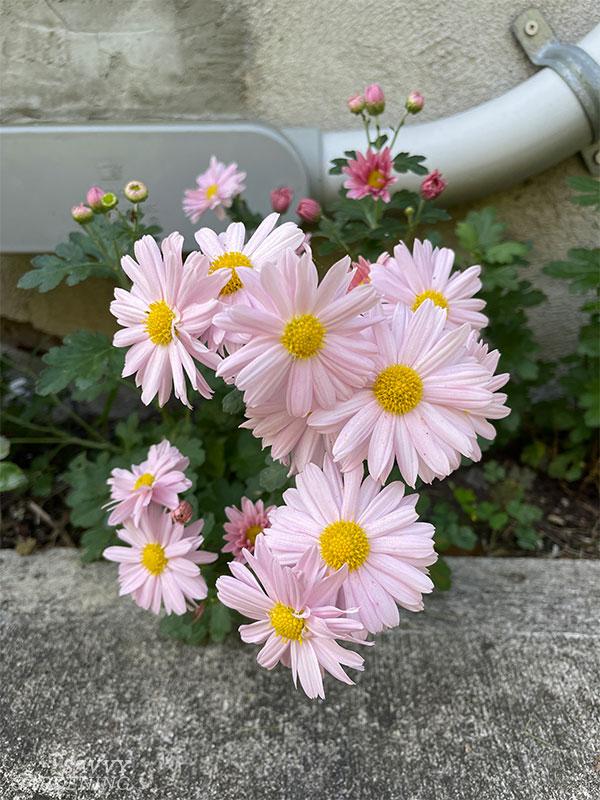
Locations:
{"points": [[216, 189], [158, 479], [356, 524], [161, 564], [370, 174], [426, 274], [295, 614], [236, 259], [169, 307], [306, 340], [244, 526], [498, 410], [423, 407], [291, 440]]}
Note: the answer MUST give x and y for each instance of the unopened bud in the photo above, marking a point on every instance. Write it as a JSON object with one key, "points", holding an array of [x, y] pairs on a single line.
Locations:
{"points": [[94, 197], [109, 200], [414, 102], [281, 199], [374, 99], [136, 191], [308, 210], [82, 214], [433, 185], [410, 212], [183, 513], [356, 103]]}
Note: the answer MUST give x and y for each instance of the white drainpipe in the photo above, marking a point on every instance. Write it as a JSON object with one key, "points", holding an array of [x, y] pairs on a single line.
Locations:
{"points": [[505, 140]]}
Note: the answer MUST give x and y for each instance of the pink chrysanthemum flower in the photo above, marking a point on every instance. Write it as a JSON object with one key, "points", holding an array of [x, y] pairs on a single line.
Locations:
{"points": [[371, 531], [291, 440], [295, 613], [216, 189], [424, 406], [169, 307], [306, 341], [426, 275], [228, 252], [158, 479], [370, 174], [361, 274], [244, 526], [161, 564], [498, 410]]}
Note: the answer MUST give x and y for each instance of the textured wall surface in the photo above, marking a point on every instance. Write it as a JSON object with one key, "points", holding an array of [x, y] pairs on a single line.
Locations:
{"points": [[291, 63]]}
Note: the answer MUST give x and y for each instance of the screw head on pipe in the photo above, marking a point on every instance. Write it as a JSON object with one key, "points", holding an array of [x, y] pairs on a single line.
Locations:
{"points": [[531, 27]]}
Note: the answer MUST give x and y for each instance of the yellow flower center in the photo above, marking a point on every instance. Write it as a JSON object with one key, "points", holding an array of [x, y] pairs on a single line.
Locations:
{"points": [[376, 179], [398, 389], [147, 479], [154, 558], [285, 623], [344, 542], [211, 191], [430, 294], [159, 323], [230, 261], [252, 532], [303, 336]]}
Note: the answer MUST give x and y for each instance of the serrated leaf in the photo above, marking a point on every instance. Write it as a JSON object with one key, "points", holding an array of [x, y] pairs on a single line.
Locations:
{"points": [[86, 359], [273, 477], [95, 540], [404, 162], [220, 621], [233, 402], [72, 262]]}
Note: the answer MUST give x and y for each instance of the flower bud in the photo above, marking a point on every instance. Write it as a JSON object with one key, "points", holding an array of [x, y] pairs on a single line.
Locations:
{"points": [[109, 200], [281, 199], [308, 210], [433, 185], [183, 513], [94, 197], [374, 99], [136, 191], [356, 103], [414, 102], [410, 212], [82, 214]]}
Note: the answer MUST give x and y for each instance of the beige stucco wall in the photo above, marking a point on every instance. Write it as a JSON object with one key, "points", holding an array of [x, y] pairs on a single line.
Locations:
{"points": [[289, 63]]}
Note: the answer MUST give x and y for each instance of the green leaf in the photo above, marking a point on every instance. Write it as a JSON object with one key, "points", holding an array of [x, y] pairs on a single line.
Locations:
{"points": [[233, 402], [88, 489], [86, 359], [464, 537], [11, 477], [441, 575], [74, 261], [4, 447], [404, 162], [273, 477], [582, 270], [506, 252], [189, 627], [480, 231], [95, 540], [220, 622], [589, 189]]}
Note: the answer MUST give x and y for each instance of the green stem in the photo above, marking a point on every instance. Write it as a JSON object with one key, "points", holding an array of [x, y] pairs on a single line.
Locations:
{"points": [[397, 130], [108, 403], [365, 120], [59, 436], [64, 440]]}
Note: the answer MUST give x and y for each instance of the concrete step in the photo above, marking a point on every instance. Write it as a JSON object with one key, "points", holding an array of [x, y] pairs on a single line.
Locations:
{"points": [[490, 694]]}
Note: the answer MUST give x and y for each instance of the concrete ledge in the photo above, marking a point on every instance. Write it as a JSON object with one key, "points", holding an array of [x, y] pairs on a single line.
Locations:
{"points": [[491, 694]]}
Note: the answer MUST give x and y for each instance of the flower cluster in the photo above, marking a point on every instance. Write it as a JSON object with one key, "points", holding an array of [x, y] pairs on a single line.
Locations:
{"points": [[161, 565], [375, 362]]}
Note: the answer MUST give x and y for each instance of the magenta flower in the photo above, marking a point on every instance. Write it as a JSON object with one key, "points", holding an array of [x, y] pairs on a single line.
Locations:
{"points": [[161, 564], [158, 479], [433, 185], [424, 405], [370, 174], [357, 525], [426, 274], [414, 102], [305, 341], [244, 526], [356, 103], [291, 440], [94, 197], [216, 189], [169, 307], [295, 615]]}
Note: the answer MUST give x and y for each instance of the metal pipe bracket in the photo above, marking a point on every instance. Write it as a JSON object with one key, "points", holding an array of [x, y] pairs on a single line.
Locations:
{"points": [[575, 66]]}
